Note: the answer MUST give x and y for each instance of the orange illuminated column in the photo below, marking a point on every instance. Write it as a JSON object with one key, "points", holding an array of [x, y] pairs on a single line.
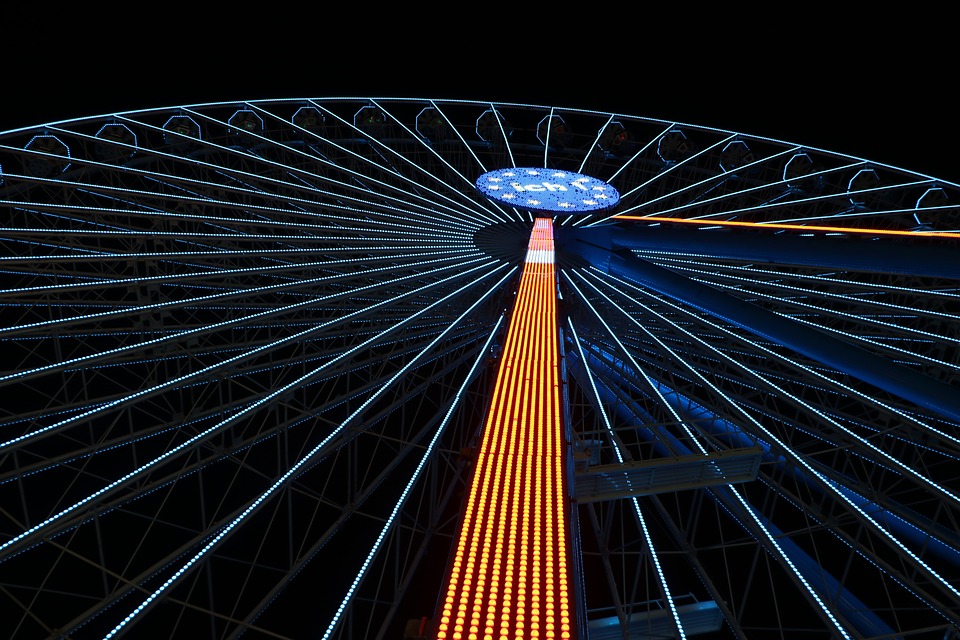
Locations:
{"points": [[510, 575]]}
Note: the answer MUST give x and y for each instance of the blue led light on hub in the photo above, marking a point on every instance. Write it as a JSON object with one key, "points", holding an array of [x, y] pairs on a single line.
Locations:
{"points": [[547, 190]]}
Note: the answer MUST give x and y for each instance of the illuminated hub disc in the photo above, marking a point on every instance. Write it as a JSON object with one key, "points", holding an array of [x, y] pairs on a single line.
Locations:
{"points": [[547, 190]]}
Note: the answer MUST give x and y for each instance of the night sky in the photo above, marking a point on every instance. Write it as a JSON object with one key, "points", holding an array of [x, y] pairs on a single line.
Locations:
{"points": [[875, 87]]}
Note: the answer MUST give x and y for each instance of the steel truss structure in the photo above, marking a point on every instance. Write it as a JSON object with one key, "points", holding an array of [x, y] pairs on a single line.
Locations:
{"points": [[248, 349]]}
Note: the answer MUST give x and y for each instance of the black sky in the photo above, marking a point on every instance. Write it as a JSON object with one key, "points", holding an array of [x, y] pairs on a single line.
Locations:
{"points": [[878, 87]]}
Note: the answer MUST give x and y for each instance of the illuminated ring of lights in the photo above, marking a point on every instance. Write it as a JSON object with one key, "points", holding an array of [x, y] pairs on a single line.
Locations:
{"points": [[547, 190], [248, 343]]}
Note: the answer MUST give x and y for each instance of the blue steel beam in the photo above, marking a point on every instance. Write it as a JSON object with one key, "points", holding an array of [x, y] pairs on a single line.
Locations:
{"points": [[881, 254], [609, 249]]}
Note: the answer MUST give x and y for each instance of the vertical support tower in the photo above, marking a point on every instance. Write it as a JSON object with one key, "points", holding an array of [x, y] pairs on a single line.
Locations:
{"points": [[510, 575]]}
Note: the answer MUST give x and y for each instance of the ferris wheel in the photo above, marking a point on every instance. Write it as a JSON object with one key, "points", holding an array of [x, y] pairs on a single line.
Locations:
{"points": [[249, 349]]}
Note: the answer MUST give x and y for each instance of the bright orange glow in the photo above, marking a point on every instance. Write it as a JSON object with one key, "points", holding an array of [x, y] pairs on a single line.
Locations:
{"points": [[796, 227], [509, 570]]}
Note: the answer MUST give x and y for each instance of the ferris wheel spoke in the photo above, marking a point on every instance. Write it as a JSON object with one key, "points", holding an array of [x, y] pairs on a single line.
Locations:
{"points": [[273, 188], [250, 347], [113, 351], [183, 447], [249, 379], [239, 455], [389, 171], [265, 570], [870, 451], [623, 454], [778, 481], [395, 539], [759, 531], [310, 457], [869, 447]]}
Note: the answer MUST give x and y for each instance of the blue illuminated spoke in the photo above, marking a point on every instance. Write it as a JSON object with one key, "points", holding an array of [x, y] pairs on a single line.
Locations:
{"points": [[248, 349]]}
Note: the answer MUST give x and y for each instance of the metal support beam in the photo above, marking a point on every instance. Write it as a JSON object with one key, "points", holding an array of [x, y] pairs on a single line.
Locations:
{"points": [[615, 481], [609, 249], [882, 254], [697, 618]]}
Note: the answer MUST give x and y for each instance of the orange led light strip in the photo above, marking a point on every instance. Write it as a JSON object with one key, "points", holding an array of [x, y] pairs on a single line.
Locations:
{"points": [[510, 575], [797, 227]]}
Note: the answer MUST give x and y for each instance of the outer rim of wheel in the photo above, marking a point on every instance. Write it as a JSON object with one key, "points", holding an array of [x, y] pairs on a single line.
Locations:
{"points": [[233, 200]]}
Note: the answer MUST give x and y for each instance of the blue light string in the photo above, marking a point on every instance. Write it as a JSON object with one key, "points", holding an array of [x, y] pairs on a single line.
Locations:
{"points": [[824, 481], [218, 325], [296, 467], [636, 504], [769, 536], [388, 524]]}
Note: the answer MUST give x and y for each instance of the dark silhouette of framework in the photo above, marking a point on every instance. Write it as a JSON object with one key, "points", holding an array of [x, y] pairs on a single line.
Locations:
{"points": [[247, 351]]}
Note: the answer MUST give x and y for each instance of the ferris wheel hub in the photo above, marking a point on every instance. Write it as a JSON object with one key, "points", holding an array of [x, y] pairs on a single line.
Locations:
{"points": [[547, 190]]}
